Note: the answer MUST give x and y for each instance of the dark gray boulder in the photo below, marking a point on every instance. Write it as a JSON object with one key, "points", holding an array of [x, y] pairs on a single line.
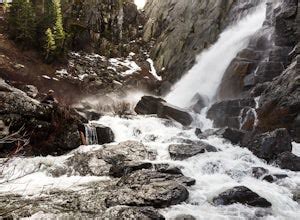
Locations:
{"points": [[127, 212], [104, 134], [184, 151], [168, 111], [149, 105], [124, 168], [198, 102], [227, 113], [185, 217], [269, 145], [243, 195], [235, 136], [148, 188], [288, 160]]}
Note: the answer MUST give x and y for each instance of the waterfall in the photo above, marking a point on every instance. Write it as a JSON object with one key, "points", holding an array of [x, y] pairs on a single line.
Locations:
{"points": [[90, 134], [205, 76]]}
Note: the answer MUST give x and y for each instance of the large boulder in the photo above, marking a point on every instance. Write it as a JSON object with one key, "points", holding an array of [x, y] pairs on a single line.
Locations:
{"points": [[288, 160], [243, 195], [269, 145], [127, 212], [104, 134], [280, 103], [146, 188], [53, 129], [184, 151], [149, 105], [227, 113], [168, 111], [116, 160]]}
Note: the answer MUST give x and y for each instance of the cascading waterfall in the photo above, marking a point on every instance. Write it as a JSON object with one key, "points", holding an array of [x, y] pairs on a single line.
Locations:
{"points": [[90, 134], [205, 76]]}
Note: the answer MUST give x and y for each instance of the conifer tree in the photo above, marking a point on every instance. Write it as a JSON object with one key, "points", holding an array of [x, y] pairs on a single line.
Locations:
{"points": [[59, 33], [22, 23], [5, 6], [50, 46]]}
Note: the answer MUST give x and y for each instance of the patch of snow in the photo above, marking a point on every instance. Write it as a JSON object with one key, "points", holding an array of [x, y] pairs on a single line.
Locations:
{"points": [[62, 72], [153, 70], [131, 65], [46, 77], [296, 149], [81, 77]]}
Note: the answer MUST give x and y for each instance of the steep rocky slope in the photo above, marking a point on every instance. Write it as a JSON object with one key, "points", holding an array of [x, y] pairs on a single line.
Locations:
{"points": [[182, 29]]}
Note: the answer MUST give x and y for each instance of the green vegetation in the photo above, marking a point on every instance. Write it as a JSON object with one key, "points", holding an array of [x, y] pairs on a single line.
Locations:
{"points": [[22, 22], [50, 46], [45, 32]]}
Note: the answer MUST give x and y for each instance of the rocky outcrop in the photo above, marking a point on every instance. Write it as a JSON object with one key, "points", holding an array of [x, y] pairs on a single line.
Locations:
{"points": [[103, 26], [153, 105], [268, 53], [269, 145], [182, 30], [115, 160], [280, 102], [264, 174], [126, 212], [147, 189], [288, 160], [227, 113], [184, 151], [241, 195], [50, 129]]}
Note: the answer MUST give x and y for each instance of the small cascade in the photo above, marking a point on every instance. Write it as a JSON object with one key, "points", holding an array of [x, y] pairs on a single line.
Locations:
{"points": [[91, 134]]}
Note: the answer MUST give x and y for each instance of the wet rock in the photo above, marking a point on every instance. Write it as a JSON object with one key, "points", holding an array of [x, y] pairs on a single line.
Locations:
{"points": [[124, 168], [153, 105], [273, 178], [116, 160], [264, 174], [235, 136], [184, 151], [198, 103], [127, 212], [166, 168], [148, 188], [241, 195], [288, 160], [185, 217], [104, 134], [280, 103], [198, 131], [269, 145], [148, 105], [258, 172], [172, 112], [227, 113]]}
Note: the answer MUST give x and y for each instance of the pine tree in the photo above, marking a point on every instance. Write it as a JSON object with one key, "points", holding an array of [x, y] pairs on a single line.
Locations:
{"points": [[59, 33], [22, 22], [50, 46], [5, 6]]}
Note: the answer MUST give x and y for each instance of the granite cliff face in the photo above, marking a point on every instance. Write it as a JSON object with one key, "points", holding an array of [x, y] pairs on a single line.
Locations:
{"points": [[182, 29]]}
